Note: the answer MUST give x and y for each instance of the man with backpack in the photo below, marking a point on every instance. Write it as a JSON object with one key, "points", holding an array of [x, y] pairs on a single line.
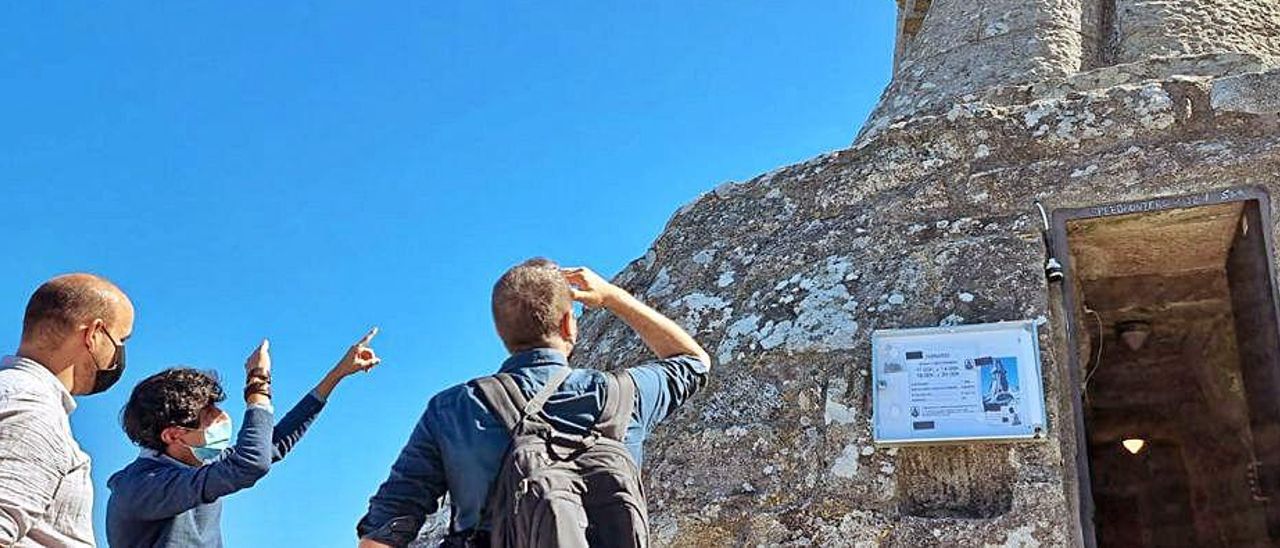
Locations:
{"points": [[541, 454]]}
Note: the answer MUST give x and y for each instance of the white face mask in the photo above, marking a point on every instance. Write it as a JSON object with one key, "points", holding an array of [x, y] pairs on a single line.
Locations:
{"points": [[217, 438]]}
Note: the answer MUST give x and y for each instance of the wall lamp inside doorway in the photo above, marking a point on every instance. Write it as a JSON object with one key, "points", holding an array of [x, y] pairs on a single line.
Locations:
{"points": [[1134, 445]]}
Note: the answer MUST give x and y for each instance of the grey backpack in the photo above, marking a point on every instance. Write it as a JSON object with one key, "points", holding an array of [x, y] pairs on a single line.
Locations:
{"points": [[562, 490]]}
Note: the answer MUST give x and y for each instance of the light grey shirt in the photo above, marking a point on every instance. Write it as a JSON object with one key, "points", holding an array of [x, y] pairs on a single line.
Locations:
{"points": [[46, 496]]}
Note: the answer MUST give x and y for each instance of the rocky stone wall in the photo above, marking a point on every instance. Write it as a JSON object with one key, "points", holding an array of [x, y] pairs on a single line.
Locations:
{"points": [[1155, 28], [963, 46], [927, 222], [948, 49]]}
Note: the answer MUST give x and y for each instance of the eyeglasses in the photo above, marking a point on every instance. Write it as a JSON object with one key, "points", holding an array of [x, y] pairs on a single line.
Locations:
{"points": [[119, 349]]}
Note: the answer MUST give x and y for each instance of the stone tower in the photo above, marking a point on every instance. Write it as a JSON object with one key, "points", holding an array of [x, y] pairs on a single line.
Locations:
{"points": [[928, 219]]}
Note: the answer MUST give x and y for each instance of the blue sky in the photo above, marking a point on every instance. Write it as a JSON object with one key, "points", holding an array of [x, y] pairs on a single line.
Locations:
{"points": [[305, 171]]}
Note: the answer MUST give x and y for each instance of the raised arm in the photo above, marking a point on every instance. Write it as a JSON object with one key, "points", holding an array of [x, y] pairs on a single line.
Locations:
{"points": [[663, 336], [170, 490], [360, 357], [295, 423]]}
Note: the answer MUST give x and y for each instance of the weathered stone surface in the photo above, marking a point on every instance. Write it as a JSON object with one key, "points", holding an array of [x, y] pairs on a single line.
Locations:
{"points": [[965, 46], [928, 220], [1155, 28], [1255, 93]]}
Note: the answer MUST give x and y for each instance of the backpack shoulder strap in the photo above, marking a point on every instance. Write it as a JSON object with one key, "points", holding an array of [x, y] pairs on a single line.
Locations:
{"points": [[498, 400], [618, 404], [505, 399]]}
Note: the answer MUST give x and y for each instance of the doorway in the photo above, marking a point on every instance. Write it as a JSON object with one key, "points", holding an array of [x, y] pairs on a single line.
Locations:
{"points": [[1173, 323]]}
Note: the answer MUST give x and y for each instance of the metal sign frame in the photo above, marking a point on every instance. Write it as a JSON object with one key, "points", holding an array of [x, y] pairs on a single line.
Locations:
{"points": [[893, 376]]}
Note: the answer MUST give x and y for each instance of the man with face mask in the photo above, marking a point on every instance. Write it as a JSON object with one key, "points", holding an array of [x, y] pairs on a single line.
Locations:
{"points": [[72, 344], [171, 495]]}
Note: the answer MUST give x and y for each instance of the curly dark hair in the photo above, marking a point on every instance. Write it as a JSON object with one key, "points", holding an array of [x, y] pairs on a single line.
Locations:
{"points": [[173, 397]]}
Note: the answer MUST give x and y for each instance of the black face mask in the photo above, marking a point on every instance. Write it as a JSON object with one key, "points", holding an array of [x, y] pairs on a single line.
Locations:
{"points": [[105, 378]]}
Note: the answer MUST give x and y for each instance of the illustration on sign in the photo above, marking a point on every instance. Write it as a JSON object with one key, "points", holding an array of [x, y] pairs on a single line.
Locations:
{"points": [[1000, 386], [957, 383]]}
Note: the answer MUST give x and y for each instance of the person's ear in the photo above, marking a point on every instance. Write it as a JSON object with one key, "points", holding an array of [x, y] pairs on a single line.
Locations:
{"points": [[90, 333], [172, 435], [569, 327]]}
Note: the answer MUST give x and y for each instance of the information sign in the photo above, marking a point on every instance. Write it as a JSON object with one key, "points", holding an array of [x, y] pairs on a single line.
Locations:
{"points": [[955, 384]]}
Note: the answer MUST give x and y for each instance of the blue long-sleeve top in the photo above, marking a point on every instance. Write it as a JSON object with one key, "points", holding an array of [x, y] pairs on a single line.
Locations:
{"points": [[158, 501], [458, 445]]}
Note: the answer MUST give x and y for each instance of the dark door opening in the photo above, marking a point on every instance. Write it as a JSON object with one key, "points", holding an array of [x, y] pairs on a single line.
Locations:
{"points": [[1174, 323]]}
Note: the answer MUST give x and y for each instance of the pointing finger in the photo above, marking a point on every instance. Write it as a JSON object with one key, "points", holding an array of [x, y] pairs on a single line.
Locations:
{"points": [[368, 337]]}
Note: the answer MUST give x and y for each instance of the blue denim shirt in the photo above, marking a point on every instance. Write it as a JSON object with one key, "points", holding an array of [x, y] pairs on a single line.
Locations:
{"points": [[457, 446]]}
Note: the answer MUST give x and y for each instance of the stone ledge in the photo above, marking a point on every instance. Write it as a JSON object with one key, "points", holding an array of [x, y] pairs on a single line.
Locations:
{"points": [[1255, 93]]}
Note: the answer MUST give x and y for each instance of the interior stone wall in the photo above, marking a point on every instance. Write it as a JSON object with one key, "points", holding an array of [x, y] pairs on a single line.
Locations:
{"points": [[1183, 392]]}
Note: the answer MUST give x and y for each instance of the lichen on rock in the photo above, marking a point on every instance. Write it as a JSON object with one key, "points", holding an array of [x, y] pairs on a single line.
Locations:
{"points": [[926, 220]]}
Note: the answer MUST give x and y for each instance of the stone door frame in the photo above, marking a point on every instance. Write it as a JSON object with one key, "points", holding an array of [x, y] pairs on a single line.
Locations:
{"points": [[1061, 250]]}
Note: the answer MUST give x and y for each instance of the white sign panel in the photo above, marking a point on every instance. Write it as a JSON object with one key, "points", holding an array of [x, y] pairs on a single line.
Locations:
{"points": [[962, 383]]}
